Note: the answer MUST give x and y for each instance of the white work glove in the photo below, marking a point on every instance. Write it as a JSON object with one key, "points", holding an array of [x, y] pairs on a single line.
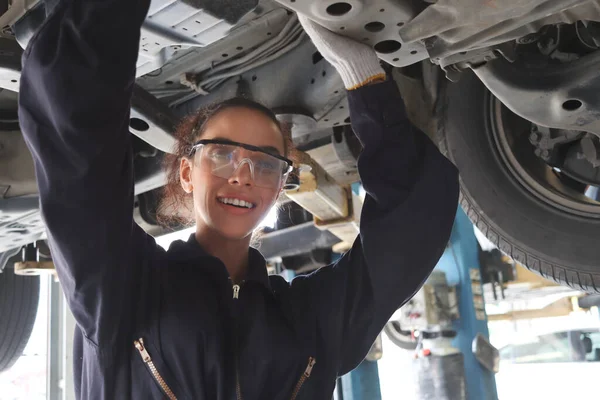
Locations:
{"points": [[357, 63]]}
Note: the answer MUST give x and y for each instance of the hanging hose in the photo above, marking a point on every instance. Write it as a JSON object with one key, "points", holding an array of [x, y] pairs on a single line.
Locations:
{"points": [[252, 65], [202, 83], [291, 25]]}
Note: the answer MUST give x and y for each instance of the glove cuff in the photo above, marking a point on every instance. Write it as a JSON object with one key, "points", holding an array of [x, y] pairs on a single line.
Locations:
{"points": [[360, 71]]}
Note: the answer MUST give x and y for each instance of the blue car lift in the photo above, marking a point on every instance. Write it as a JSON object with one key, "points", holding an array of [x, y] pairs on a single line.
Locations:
{"points": [[460, 263]]}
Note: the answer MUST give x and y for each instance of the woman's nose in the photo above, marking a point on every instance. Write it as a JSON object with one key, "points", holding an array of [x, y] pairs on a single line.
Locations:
{"points": [[243, 174]]}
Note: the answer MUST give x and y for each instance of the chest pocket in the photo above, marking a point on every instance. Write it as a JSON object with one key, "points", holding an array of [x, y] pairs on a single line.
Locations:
{"points": [[157, 371]]}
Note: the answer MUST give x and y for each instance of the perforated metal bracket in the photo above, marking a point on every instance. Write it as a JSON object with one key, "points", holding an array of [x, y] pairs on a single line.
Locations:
{"points": [[376, 23], [172, 26], [34, 268]]}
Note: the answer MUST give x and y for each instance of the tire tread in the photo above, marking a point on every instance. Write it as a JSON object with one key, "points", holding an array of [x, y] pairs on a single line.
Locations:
{"points": [[561, 274], [557, 273], [18, 310]]}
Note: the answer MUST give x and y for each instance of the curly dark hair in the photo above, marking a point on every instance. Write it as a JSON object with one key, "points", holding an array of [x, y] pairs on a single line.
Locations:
{"points": [[175, 208]]}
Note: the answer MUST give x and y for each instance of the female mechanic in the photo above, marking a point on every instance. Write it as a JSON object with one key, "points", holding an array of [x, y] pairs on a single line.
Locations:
{"points": [[203, 320]]}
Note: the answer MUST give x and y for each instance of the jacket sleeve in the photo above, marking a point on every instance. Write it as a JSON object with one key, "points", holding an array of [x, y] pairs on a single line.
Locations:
{"points": [[75, 92], [407, 217]]}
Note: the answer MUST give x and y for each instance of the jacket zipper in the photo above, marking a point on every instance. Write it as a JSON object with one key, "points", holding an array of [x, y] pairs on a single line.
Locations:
{"points": [[311, 363], [139, 344], [238, 389]]}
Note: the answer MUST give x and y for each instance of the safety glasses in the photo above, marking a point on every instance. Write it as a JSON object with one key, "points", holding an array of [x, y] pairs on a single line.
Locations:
{"points": [[223, 157]]}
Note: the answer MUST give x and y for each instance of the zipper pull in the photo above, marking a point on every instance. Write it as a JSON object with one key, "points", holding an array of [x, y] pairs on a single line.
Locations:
{"points": [[309, 367], [139, 344], [236, 291]]}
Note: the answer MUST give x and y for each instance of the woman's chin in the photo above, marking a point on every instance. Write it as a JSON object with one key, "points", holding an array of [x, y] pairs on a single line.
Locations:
{"points": [[235, 231], [233, 227]]}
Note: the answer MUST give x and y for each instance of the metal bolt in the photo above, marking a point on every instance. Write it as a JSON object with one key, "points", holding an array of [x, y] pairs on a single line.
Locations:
{"points": [[528, 39], [534, 137]]}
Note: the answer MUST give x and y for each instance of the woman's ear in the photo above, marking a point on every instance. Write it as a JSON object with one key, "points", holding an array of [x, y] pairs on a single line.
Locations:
{"points": [[185, 175]]}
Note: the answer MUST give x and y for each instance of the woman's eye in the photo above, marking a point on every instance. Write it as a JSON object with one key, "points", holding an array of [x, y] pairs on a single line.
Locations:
{"points": [[219, 155], [268, 166]]}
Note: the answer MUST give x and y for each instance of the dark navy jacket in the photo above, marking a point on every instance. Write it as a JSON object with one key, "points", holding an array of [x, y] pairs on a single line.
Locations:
{"points": [[76, 85]]}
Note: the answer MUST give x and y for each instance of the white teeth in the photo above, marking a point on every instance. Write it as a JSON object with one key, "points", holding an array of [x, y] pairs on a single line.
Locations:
{"points": [[236, 202]]}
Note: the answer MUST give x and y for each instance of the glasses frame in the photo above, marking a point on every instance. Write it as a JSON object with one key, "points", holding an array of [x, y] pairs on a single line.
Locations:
{"points": [[202, 142]]}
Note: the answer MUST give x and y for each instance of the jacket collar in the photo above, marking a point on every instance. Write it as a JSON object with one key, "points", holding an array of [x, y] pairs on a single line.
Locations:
{"points": [[257, 266]]}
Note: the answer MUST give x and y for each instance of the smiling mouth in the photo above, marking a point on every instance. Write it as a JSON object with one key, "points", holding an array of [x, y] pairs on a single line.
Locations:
{"points": [[236, 202]]}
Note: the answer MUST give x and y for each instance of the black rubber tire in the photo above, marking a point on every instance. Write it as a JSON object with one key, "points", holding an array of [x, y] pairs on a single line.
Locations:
{"points": [[551, 242], [19, 297], [401, 340]]}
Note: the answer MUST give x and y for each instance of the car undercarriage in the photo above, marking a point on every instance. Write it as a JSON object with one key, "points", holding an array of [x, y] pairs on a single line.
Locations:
{"points": [[506, 88]]}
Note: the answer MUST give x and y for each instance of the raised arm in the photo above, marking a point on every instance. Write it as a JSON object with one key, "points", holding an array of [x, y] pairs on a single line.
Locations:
{"points": [[75, 92], [407, 217], [412, 197]]}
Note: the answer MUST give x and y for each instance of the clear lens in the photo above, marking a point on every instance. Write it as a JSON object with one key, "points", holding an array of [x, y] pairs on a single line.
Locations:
{"points": [[223, 160]]}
